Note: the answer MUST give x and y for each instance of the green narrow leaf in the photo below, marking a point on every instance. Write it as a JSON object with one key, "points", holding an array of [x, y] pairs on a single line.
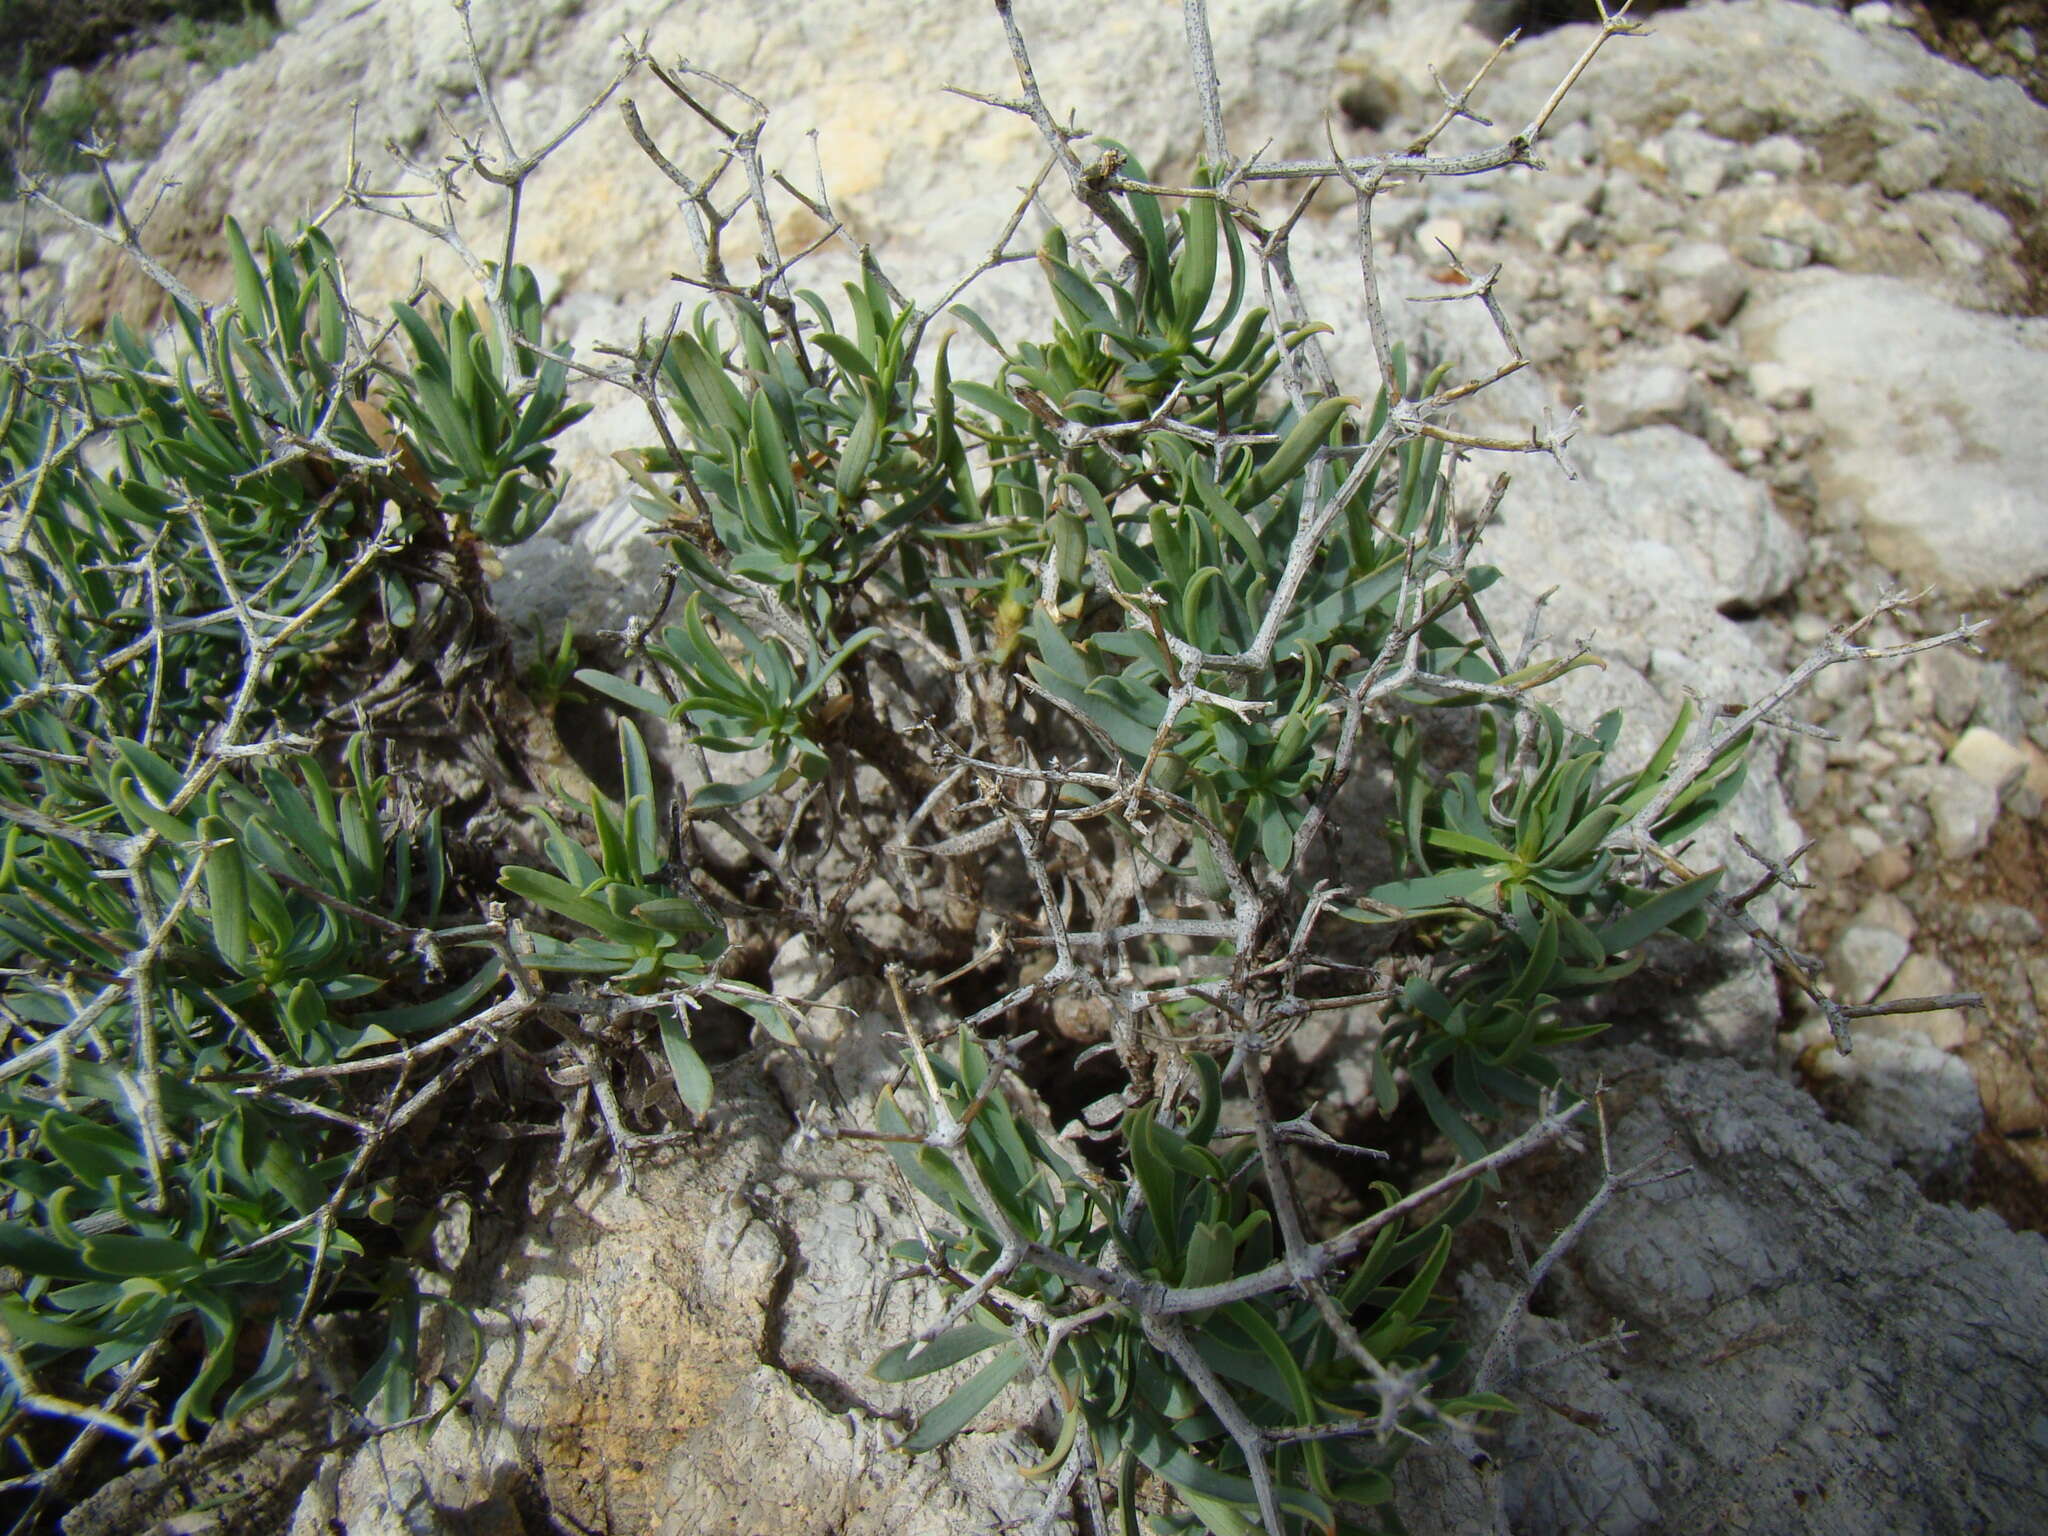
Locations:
{"points": [[1301, 1399], [280, 1167], [116, 1254], [1194, 274], [386, 1390], [92, 1153], [1585, 837], [305, 1010], [34, 1252], [1431, 892], [249, 292], [720, 796], [677, 914], [1084, 307], [1708, 795], [1062, 1446], [559, 896], [1302, 440], [979, 326], [231, 392], [831, 665], [1155, 1178], [907, 1362], [218, 1326], [967, 1400], [465, 1323], [1407, 1307], [762, 1009], [1643, 788], [854, 362], [1208, 1103], [362, 843], [1658, 913], [632, 695], [227, 894], [1471, 1147], [333, 329], [1163, 1451], [443, 1011], [1229, 519], [636, 773], [28, 1326], [1211, 1247], [611, 842], [857, 454], [1276, 837], [693, 1078]]}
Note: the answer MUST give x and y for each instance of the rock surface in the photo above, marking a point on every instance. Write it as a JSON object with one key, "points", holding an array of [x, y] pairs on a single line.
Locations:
{"points": [[1745, 73], [691, 1357], [1816, 1348], [1934, 425], [917, 172]]}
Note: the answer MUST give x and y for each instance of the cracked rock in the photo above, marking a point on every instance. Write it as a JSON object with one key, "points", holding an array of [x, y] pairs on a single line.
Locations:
{"points": [[1818, 1348], [685, 1359]]}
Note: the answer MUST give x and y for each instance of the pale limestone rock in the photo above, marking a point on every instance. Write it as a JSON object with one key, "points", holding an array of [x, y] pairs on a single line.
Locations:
{"points": [[1864, 958], [1698, 163], [1913, 164], [1944, 475], [1700, 286], [1887, 911], [1781, 386], [1835, 857], [1816, 101], [1780, 154], [1890, 867], [1773, 253], [692, 1357], [1963, 810], [1954, 679], [1922, 975], [1989, 758], [2035, 781], [1641, 395], [1759, 69]]}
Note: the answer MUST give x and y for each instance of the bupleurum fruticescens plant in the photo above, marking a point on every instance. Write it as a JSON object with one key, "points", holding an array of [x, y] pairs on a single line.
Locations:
{"points": [[238, 969], [1027, 681], [228, 936]]}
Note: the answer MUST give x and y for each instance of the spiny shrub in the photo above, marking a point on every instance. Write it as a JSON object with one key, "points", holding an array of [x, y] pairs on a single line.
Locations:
{"points": [[211, 929], [1188, 1218], [1094, 644], [1027, 685]]}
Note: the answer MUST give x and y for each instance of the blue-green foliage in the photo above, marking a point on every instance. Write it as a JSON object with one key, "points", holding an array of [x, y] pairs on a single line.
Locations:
{"points": [[483, 445], [841, 485], [1114, 529], [1190, 1213], [197, 537]]}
